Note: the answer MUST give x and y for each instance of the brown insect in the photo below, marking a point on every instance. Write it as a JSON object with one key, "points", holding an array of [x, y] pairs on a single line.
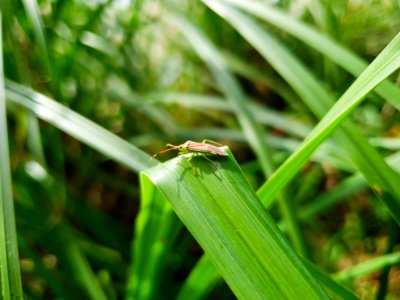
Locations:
{"points": [[204, 149]]}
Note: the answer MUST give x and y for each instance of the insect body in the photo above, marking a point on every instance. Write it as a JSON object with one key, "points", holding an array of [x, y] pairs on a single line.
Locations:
{"points": [[204, 149], [198, 149]]}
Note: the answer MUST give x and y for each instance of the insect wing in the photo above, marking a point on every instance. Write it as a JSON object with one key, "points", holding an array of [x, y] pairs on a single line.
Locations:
{"points": [[205, 148]]}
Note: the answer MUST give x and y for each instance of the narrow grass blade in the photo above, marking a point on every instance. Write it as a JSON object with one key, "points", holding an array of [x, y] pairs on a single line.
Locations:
{"points": [[231, 89], [80, 267], [386, 63], [156, 229], [367, 267], [32, 10], [262, 114], [225, 216], [79, 127], [10, 275], [348, 60]]}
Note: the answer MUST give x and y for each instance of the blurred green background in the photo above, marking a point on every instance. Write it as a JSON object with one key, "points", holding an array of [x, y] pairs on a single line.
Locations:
{"points": [[126, 66]]}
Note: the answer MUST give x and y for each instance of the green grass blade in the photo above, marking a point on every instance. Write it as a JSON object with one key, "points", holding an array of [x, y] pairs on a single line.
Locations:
{"points": [[366, 157], [367, 267], [10, 275], [32, 10], [156, 229], [202, 279], [225, 216], [311, 91], [253, 132], [386, 63], [334, 289], [324, 44], [230, 87], [79, 127], [262, 114], [80, 267]]}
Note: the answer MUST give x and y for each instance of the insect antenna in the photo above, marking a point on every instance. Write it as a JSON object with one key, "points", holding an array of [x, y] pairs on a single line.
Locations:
{"points": [[170, 147]]}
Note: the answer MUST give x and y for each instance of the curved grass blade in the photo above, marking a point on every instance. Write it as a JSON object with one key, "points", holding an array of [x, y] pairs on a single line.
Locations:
{"points": [[366, 157], [230, 87], [79, 127], [225, 216], [386, 63], [253, 132]]}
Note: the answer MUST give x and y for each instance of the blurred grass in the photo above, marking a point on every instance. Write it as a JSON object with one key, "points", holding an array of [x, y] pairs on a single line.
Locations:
{"points": [[94, 88]]}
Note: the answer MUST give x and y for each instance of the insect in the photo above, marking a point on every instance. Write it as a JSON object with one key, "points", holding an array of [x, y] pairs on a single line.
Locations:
{"points": [[204, 149]]}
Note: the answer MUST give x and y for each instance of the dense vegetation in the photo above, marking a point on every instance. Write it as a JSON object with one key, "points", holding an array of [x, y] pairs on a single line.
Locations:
{"points": [[304, 95]]}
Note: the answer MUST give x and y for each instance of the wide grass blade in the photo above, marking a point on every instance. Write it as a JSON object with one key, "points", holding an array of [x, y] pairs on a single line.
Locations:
{"points": [[369, 161], [223, 213], [10, 275], [231, 89], [252, 130]]}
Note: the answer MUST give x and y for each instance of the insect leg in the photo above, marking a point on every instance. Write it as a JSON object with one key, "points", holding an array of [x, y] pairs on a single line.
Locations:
{"points": [[190, 163], [211, 142]]}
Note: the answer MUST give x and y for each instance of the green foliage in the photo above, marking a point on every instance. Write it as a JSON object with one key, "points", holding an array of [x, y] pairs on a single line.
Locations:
{"points": [[302, 92]]}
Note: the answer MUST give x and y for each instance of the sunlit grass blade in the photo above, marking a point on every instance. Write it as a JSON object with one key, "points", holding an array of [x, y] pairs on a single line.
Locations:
{"points": [[223, 213], [262, 114], [311, 91], [348, 60], [386, 63], [367, 158], [10, 275], [252, 130], [230, 87], [79, 127]]}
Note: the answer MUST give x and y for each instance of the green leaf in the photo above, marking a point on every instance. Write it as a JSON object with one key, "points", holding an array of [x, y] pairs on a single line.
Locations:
{"points": [[223, 213], [10, 275], [367, 267], [386, 63], [156, 229], [322, 43], [202, 279], [252, 130], [367, 158], [32, 11]]}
